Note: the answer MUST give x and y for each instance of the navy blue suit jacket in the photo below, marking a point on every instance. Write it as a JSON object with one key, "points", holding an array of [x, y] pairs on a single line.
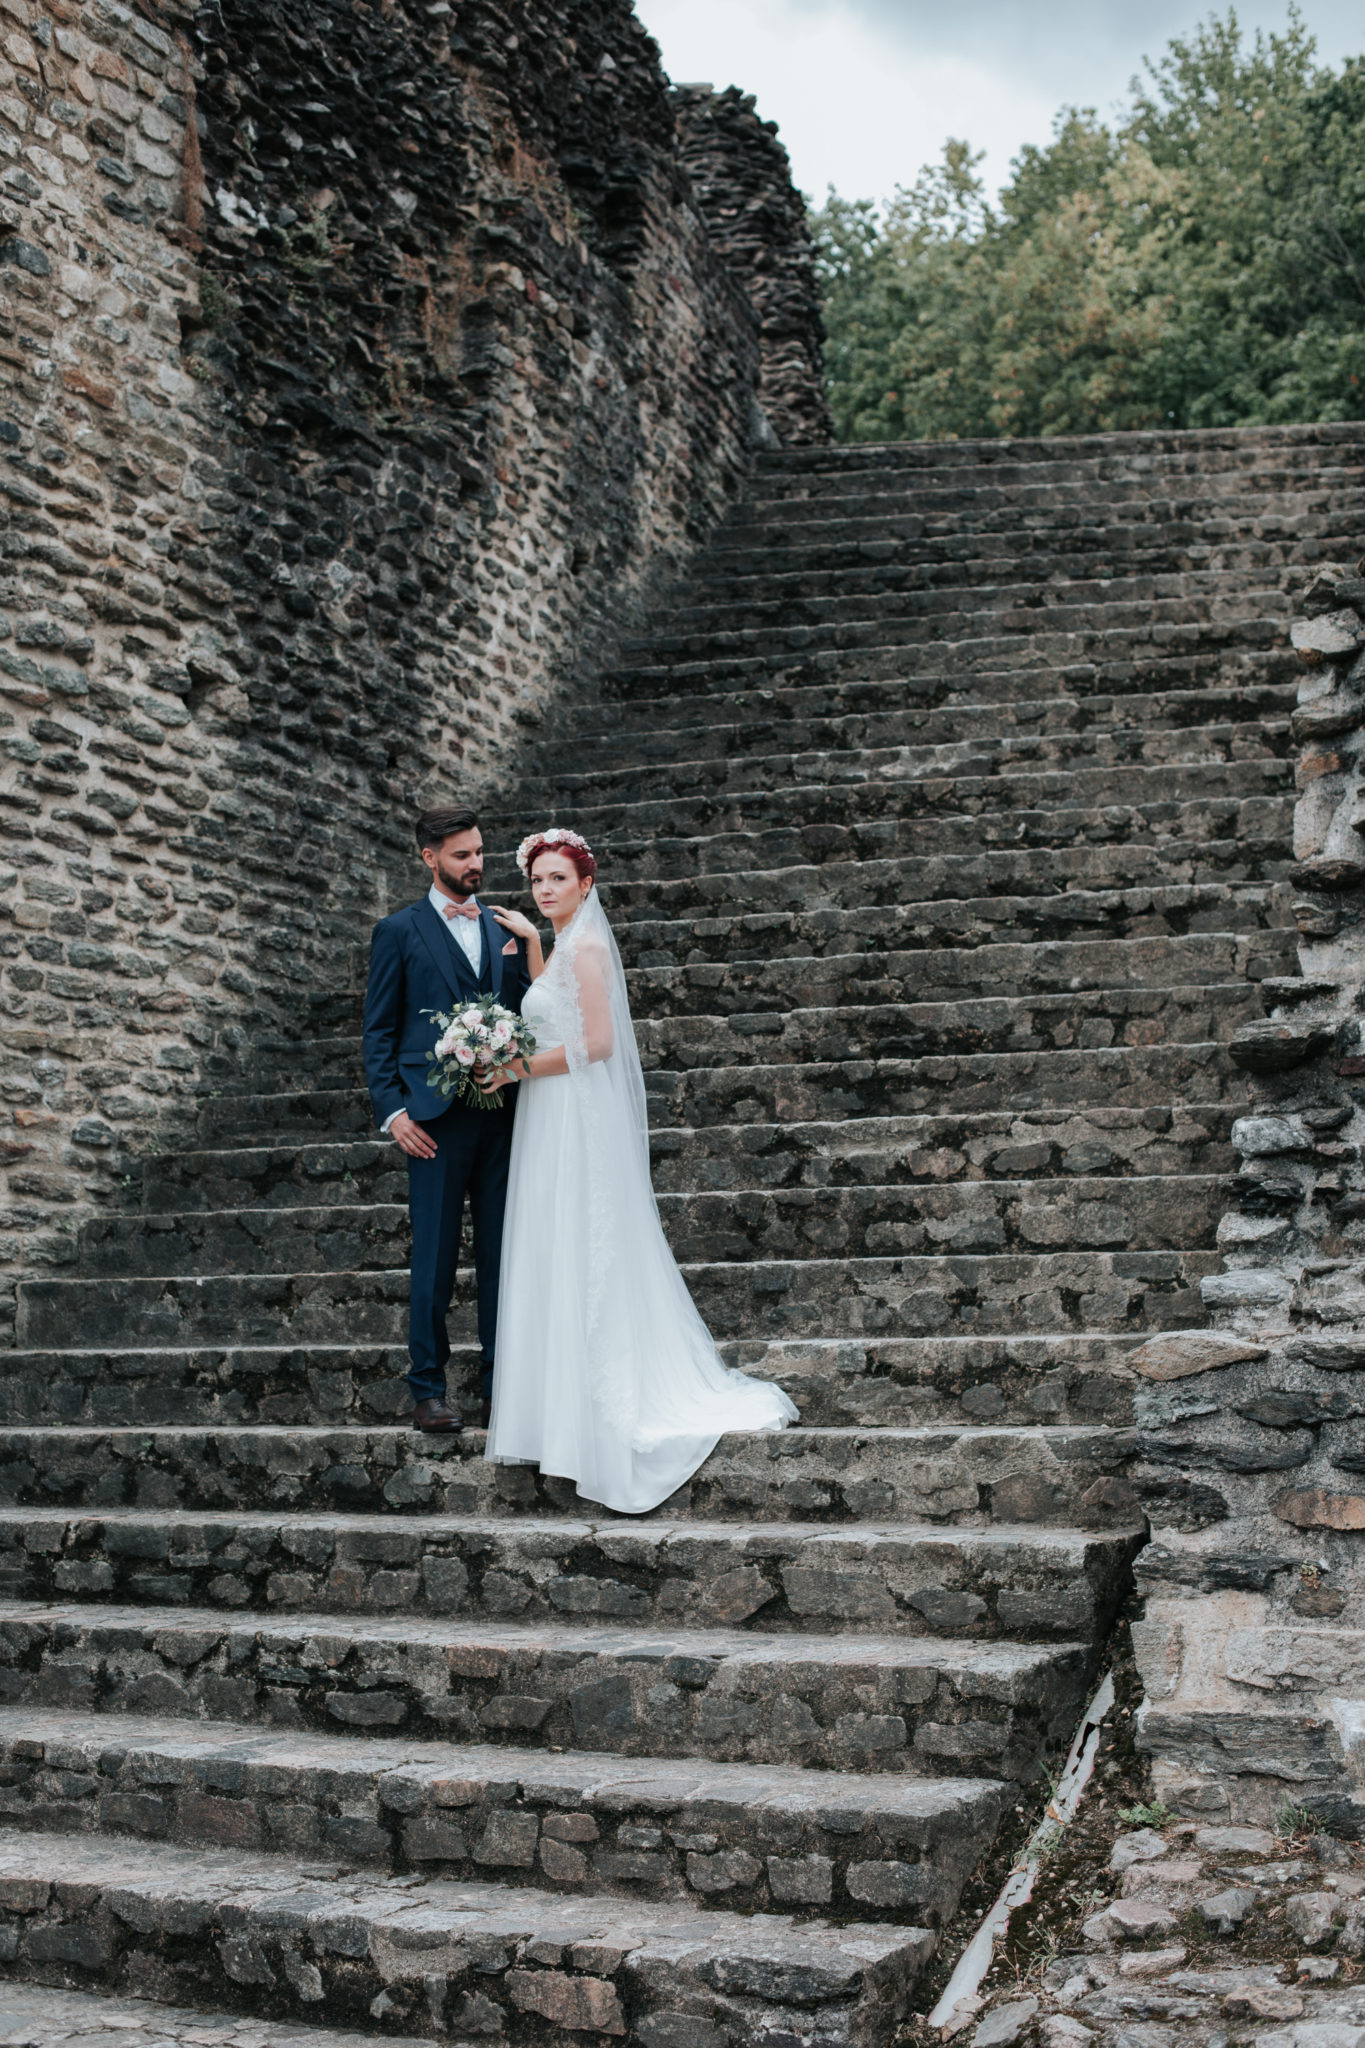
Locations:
{"points": [[415, 965]]}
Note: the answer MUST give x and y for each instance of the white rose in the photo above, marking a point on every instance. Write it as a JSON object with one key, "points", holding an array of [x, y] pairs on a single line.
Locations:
{"points": [[465, 1055], [502, 1034], [445, 1045]]}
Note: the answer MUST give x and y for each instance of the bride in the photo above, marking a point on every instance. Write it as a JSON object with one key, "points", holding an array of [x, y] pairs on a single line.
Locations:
{"points": [[606, 1374]]}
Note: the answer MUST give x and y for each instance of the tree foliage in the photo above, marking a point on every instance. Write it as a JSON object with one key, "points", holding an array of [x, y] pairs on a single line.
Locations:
{"points": [[1201, 264]]}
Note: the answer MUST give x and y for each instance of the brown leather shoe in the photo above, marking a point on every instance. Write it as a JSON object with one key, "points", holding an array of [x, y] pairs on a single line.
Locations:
{"points": [[435, 1418]]}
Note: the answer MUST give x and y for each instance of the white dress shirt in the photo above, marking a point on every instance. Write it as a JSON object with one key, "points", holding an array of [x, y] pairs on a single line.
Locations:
{"points": [[466, 933]]}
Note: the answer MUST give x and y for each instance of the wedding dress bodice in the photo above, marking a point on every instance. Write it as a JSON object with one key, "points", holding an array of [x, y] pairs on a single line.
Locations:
{"points": [[549, 1015]]}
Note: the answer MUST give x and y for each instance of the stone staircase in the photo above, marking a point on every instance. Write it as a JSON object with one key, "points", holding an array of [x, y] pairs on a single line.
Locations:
{"points": [[945, 822]]}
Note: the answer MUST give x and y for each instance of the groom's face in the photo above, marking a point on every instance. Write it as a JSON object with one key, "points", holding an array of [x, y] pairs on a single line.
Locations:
{"points": [[457, 863]]}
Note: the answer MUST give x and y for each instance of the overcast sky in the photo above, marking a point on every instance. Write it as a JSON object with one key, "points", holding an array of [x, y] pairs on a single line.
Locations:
{"points": [[865, 91]]}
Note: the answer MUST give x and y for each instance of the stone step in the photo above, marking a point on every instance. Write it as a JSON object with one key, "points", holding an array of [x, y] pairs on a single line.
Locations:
{"points": [[911, 979], [876, 1151], [864, 908], [1120, 667], [1119, 1071], [1245, 830], [286, 1113], [1203, 451], [742, 1223], [1048, 1022], [965, 606], [890, 1000], [905, 1296], [953, 799], [918, 1706], [963, 641], [1176, 1212], [1060, 546], [969, 1476], [883, 930], [1038, 1584], [915, 977], [1268, 520], [739, 772], [874, 1381], [42, 2016], [1195, 459], [1054, 497], [790, 692], [1278, 513], [1256, 532], [1198, 458], [1113, 1074], [753, 1838], [885, 715], [1091, 1019], [1200, 884], [815, 556], [281, 1940]]}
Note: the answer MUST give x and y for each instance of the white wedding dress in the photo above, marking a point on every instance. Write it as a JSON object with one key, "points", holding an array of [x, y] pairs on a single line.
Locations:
{"points": [[606, 1374]]}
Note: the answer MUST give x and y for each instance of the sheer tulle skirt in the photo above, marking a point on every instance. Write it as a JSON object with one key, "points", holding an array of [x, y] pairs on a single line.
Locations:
{"points": [[606, 1374]]}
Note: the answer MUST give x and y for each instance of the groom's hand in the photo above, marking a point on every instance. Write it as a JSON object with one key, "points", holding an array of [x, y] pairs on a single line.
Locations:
{"points": [[411, 1137]]}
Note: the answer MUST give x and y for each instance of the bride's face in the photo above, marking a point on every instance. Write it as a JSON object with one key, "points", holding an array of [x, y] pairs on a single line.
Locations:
{"points": [[557, 887]]}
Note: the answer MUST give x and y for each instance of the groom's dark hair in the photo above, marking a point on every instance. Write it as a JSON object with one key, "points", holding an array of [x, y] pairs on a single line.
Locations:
{"points": [[436, 826]]}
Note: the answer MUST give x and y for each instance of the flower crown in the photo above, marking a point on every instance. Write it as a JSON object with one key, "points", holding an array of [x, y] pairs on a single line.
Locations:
{"points": [[556, 835]]}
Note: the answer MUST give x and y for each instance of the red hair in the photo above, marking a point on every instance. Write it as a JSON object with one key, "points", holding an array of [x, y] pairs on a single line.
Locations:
{"points": [[582, 860]]}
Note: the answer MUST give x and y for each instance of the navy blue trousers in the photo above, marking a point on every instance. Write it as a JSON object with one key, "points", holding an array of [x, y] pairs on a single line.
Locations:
{"points": [[473, 1147]]}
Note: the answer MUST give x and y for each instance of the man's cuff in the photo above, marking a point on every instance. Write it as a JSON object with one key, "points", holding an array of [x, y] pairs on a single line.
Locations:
{"points": [[384, 1127]]}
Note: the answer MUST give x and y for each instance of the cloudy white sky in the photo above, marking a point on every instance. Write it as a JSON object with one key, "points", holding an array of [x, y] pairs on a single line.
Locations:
{"points": [[865, 91]]}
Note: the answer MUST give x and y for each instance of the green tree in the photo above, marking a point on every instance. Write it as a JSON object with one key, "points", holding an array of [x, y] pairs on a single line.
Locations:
{"points": [[1203, 264]]}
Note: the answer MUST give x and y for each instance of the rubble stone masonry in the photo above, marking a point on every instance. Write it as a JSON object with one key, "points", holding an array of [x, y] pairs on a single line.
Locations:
{"points": [[1251, 1646], [363, 370]]}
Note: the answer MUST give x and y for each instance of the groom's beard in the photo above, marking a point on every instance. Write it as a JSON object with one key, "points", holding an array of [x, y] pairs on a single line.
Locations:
{"points": [[466, 883]]}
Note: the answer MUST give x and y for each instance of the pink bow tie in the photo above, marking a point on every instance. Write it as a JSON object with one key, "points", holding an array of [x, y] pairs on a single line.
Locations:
{"points": [[460, 909]]}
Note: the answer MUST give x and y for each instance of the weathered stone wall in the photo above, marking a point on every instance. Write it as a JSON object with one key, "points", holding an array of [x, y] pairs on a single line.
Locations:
{"points": [[365, 368], [1253, 1645], [742, 178]]}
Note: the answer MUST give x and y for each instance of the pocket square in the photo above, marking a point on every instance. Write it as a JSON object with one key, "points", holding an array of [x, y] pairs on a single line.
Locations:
{"points": [[510, 947]]}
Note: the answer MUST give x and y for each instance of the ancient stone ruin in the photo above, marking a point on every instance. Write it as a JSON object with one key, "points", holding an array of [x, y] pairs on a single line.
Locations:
{"points": [[403, 400]]}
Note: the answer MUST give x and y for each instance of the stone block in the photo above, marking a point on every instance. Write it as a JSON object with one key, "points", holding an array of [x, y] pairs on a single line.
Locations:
{"points": [[562, 1863], [1140, 1919], [509, 1840], [728, 1870], [1006, 2025], [1316, 1508], [580, 2004], [428, 1840], [801, 1881], [1313, 1917], [1183, 1353], [1225, 1911], [891, 1885]]}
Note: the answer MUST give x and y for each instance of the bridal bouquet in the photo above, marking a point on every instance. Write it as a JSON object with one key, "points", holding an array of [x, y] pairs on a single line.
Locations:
{"points": [[482, 1034]]}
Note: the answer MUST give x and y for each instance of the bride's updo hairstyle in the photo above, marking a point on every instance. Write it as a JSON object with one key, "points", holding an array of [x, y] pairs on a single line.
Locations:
{"points": [[558, 840]]}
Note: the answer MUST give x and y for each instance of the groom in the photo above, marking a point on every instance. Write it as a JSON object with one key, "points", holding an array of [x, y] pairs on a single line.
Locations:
{"points": [[439, 954]]}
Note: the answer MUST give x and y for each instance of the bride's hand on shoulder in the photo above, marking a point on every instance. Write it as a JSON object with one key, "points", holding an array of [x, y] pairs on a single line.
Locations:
{"points": [[513, 921], [522, 928]]}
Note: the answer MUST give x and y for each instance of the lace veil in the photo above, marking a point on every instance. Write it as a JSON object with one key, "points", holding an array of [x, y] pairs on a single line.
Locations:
{"points": [[592, 980]]}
